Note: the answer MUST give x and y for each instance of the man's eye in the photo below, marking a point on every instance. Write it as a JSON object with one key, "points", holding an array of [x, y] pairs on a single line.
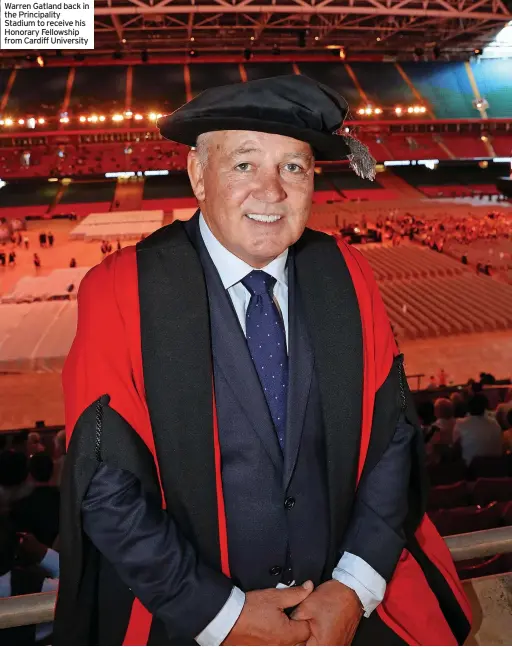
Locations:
{"points": [[294, 168], [244, 166]]}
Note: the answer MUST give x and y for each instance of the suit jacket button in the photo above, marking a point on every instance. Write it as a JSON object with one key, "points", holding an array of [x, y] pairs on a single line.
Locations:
{"points": [[275, 570], [289, 502]]}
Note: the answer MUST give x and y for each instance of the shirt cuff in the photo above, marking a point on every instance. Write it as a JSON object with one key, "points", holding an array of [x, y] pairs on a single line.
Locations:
{"points": [[359, 576], [50, 563], [215, 633]]}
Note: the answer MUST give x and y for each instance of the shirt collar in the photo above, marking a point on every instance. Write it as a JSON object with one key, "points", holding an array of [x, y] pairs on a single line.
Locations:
{"points": [[232, 269]]}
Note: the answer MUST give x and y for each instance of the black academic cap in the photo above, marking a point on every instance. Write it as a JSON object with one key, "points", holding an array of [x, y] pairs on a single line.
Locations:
{"points": [[294, 106]]}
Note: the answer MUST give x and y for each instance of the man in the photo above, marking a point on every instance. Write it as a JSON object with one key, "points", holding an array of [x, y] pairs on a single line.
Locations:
{"points": [[478, 433], [26, 566], [240, 372], [38, 513]]}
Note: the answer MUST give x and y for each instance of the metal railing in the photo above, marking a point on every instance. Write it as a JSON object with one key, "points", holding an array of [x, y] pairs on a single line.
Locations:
{"points": [[39, 607]]}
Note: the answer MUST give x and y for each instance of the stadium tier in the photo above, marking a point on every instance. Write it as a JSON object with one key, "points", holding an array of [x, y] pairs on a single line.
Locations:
{"points": [[445, 90]]}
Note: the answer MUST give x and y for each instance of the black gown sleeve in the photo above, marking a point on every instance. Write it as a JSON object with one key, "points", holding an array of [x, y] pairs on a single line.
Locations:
{"points": [[150, 555]]}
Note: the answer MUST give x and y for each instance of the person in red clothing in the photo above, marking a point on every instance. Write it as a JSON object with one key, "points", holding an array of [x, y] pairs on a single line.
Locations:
{"points": [[244, 462]]}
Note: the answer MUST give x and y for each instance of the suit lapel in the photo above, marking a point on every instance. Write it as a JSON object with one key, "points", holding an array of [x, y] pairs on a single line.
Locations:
{"points": [[176, 351], [334, 325], [232, 355], [300, 363]]}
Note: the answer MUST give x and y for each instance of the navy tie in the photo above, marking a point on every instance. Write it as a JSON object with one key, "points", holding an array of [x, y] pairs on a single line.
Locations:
{"points": [[266, 339]]}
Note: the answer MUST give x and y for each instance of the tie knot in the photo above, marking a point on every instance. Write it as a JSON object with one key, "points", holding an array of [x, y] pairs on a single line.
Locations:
{"points": [[258, 282]]}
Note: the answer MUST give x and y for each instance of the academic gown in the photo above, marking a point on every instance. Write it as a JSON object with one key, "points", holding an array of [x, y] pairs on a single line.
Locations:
{"points": [[134, 354]]}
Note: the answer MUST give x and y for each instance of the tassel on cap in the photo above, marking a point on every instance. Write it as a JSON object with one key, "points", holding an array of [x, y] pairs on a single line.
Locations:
{"points": [[360, 159]]}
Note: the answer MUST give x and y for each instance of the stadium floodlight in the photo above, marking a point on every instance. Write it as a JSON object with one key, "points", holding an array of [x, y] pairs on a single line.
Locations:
{"points": [[481, 104]]}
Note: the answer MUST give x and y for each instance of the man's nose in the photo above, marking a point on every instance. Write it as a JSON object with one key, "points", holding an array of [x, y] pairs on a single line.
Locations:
{"points": [[269, 187]]}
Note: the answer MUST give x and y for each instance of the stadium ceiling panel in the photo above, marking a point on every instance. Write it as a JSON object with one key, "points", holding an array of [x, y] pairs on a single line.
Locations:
{"points": [[378, 27]]}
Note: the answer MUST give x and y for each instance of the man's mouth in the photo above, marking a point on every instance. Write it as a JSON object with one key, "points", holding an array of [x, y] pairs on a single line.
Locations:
{"points": [[259, 217]]}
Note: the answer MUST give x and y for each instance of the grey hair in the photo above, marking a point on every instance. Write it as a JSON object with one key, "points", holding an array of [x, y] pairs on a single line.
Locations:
{"points": [[202, 148]]}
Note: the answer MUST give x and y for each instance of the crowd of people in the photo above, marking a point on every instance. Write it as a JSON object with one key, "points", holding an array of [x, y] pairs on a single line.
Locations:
{"points": [[30, 472], [464, 425]]}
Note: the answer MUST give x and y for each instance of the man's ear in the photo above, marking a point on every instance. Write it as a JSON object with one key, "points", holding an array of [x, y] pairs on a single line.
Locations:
{"points": [[196, 175]]}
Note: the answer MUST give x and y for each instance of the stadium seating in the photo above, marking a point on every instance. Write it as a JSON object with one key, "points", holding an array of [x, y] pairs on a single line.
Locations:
{"points": [[445, 86], [494, 81], [456, 521]]}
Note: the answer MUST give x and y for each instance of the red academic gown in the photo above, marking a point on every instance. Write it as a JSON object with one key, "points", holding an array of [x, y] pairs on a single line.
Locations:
{"points": [[106, 358]]}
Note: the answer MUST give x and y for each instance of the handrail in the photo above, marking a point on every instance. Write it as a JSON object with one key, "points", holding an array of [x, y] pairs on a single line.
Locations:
{"points": [[31, 609]]}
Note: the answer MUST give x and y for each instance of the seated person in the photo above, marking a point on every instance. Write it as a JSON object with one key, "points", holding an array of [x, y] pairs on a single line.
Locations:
{"points": [[478, 433], [38, 513], [26, 566], [14, 484]]}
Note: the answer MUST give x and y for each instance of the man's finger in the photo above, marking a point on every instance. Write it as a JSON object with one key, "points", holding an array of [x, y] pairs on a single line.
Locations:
{"points": [[299, 631], [287, 598], [299, 614]]}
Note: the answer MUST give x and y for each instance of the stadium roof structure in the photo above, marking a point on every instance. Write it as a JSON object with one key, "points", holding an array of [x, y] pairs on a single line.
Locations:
{"points": [[358, 29], [378, 28]]}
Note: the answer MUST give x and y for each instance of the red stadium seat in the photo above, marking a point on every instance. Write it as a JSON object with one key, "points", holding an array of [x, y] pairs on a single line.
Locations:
{"points": [[447, 473], [448, 496], [469, 519], [471, 568], [488, 467], [487, 490]]}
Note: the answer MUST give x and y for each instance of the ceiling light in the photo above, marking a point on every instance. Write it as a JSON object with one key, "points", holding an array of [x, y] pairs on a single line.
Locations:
{"points": [[21, 122], [360, 111], [128, 114], [138, 117], [410, 109], [82, 119], [9, 122], [64, 120], [40, 120], [117, 117], [398, 110], [102, 118]]}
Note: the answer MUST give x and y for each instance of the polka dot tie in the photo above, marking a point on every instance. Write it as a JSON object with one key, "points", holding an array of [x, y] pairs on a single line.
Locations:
{"points": [[266, 339]]}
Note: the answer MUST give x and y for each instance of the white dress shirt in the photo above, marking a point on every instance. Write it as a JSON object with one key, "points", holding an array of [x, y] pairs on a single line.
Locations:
{"points": [[351, 570]]}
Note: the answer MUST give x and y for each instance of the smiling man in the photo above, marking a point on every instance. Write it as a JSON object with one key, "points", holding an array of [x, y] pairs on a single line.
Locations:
{"points": [[244, 464]]}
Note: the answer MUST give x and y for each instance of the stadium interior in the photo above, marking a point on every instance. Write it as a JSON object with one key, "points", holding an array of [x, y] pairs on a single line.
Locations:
{"points": [[84, 172]]}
